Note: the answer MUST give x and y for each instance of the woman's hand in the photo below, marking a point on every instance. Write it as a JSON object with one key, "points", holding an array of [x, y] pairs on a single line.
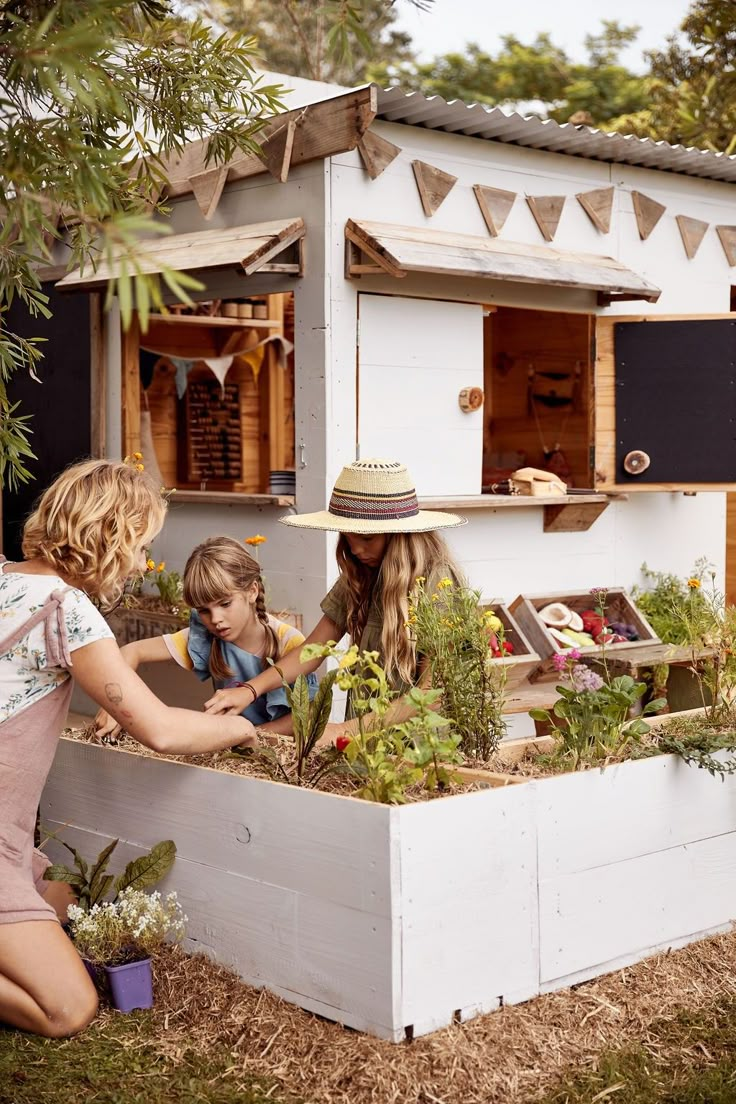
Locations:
{"points": [[107, 728], [233, 700], [250, 737]]}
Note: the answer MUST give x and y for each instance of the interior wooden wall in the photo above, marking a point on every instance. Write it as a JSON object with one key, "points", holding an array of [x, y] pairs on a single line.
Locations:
{"points": [[516, 340], [731, 549]]}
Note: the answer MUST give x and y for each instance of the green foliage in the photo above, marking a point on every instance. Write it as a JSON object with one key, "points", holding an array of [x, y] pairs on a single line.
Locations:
{"points": [[310, 718], [94, 101], [666, 598], [92, 884], [453, 635], [169, 585]]}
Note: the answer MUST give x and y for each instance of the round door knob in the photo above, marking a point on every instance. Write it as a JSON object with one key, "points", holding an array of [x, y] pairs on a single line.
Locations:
{"points": [[636, 462], [470, 399]]}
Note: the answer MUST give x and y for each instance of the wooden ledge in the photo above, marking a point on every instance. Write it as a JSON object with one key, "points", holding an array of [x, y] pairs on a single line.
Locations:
{"points": [[562, 513], [231, 498]]}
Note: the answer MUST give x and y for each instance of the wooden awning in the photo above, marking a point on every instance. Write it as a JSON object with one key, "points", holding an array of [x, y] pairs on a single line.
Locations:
{"points": [[399, 250], [251, 248]]}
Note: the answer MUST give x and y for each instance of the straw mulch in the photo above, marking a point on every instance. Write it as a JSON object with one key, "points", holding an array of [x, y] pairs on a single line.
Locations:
{"points": [[508, 1057]]}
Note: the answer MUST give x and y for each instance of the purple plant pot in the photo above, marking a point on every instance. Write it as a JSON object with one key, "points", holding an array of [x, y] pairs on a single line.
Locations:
{"points": [[131, 986]]}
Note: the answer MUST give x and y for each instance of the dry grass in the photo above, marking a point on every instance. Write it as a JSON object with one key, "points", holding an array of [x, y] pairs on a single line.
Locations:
{"points": [[514, 1056]]}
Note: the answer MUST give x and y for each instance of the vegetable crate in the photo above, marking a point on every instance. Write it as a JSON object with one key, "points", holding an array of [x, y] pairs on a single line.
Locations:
{"points": [[618, 607], [524, 660]]}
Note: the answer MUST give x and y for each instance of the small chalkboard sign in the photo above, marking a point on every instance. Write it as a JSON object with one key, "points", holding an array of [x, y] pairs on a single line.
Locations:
{"points": [[211, 449]]}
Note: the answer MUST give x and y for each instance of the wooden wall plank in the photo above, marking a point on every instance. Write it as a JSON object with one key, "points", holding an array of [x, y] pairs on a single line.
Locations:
{"points": [[131, 388]]}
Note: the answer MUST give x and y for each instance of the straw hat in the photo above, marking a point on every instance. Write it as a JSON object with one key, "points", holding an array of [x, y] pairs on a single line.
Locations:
{"points": [[374, 496]]}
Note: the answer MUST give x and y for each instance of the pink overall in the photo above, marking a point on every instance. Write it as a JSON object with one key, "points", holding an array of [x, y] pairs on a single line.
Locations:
{"points": [[27, 746]]}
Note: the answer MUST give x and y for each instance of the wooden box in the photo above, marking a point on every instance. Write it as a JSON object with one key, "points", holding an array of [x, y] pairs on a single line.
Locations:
{"points": [[524, 661], [618, 607]]}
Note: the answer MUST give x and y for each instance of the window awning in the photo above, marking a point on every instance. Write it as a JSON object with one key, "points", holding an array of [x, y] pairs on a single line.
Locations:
{"points": [[399, 250], [251, 247]]}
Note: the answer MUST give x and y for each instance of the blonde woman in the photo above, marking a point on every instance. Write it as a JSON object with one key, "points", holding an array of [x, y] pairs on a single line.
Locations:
{"points": [[386, 542], [87, 534], [231, 634]]}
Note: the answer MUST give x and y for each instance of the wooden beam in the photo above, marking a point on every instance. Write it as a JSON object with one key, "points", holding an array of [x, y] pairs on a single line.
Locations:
{"points": [[692, 232], [376, 153], [648, 213], [276, 151], [727, 238], [433, 184], [366, 244], [572, 517], [131, 388], [598, 205], [495, 204], [326, 128], [547, 211], [207, 187], [98, 375]]}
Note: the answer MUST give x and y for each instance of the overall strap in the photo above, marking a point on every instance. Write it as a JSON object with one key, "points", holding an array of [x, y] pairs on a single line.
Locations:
{"points": [[57, 644]]}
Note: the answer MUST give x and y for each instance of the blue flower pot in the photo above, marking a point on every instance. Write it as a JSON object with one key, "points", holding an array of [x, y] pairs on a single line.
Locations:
{"points": [[131, 985]]}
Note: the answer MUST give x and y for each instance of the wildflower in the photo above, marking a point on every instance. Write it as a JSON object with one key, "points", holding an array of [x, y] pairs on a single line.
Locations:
{"points": [[137, 455], [582, 678], [559, 661], [574, 654], [491, 621], [349, 659], [443, 584], [161, 566], [694, 583], [150, 564], [256, 540], [435, 597], [419, 580], [140, 467]]}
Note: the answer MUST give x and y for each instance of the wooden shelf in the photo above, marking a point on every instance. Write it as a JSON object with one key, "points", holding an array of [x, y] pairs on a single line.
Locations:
{"points": [[231, 498], [562, 513], [217, 320]]}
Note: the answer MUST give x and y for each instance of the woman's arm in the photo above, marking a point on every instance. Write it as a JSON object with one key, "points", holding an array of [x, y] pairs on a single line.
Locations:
{"points": [[235, 701], [103, 673], [151, 650]]}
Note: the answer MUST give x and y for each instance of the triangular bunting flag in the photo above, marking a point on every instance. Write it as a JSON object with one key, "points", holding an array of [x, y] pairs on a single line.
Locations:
{"points": [[207, 188], [692, 232], [376, 153], [433, 184], [648, 213], [276, 151], [495, 204], [547, 211], [597, 206], [727, 235]]}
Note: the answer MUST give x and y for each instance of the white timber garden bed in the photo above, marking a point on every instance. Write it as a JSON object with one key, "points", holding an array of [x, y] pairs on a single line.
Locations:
{"points": [[397, 920]]}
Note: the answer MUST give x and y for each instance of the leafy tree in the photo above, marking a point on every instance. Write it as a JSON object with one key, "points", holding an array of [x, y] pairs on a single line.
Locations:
{"points": [[329, 40], [93, 98]]}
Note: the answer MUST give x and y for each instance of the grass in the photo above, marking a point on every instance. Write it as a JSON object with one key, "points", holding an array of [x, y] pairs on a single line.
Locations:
{"points": [[111, 1064], [689, 1059]]}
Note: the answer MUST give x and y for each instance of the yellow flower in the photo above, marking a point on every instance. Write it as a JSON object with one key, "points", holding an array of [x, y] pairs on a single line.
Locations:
{"points": [[137, 455], [443, 584], [150, 564], [419, 580], [349, 659], [256, 540], [161, 566], [435, 597], [140, 467], [492, 622], [694, 584]]}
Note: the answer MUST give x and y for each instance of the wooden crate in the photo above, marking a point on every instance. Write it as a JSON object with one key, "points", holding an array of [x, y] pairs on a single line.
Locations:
{"points": [[619, 607], [524, 661]]}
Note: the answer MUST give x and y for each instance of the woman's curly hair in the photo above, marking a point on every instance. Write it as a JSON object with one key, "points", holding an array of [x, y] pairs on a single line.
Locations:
{"points": [[91, 524]]}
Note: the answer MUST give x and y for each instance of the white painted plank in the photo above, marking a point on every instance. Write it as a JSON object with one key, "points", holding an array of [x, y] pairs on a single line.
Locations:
{"points": [[468, 904], [630, 809], [304, 840], [308, 949], [592, 917], [415, 356]]}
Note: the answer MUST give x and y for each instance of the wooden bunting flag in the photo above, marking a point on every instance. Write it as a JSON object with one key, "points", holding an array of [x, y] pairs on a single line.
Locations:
{"points": [[727, 235], [376, 153], [547, 211], [597, 206], [207, 187], [692, 232], [495, 204], [276, 151], [648, 213], [433, 185]]}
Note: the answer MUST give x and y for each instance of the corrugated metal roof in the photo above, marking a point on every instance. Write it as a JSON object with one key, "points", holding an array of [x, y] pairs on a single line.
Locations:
{"points": [[479, 121]]}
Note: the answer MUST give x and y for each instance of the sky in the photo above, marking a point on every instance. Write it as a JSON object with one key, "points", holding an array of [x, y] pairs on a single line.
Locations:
{"points": [[450, 24]]}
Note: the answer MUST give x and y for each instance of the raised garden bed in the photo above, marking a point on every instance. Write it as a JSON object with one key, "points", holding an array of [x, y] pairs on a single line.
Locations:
{"points": [[149, 617], [397, 920]]}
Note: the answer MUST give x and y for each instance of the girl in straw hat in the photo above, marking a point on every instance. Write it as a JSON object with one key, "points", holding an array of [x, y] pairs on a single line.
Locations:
{"points": [[87, 534], [386, 542]]}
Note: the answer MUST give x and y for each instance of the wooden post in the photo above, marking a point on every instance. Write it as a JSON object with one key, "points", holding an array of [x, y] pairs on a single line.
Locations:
{"points": [[271, 392], [98, 376], [131, 388]]}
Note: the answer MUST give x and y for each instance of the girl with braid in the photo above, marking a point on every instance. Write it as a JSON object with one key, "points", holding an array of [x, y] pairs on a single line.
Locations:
{"points": [[231, 635]]}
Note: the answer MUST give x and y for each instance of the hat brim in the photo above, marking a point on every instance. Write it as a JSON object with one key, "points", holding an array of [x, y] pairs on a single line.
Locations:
{"points": [[424, 522]]}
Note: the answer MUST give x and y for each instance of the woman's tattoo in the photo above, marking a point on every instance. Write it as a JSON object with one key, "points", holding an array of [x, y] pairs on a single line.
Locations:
{"points": [[113, 692]]}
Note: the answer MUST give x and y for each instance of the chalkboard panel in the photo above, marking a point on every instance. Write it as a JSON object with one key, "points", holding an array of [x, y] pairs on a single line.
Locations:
{"points": [[676, 400], [60, 404]]}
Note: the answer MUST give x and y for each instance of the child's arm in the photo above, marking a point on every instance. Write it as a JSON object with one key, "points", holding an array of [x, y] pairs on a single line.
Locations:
{"points": [[150, 650]]}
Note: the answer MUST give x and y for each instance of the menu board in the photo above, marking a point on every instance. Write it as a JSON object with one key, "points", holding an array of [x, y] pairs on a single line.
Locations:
{"points": [[211, 449]]}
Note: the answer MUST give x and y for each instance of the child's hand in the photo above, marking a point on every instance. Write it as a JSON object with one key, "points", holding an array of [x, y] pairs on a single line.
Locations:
{"points": [[233, 700], [107, 728]]}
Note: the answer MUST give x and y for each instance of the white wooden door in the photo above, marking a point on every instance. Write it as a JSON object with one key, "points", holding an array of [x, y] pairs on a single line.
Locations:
{"points": [[414, 358]]}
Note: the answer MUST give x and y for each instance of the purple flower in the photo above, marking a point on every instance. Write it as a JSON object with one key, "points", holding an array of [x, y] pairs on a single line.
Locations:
{"points": [[574, 654], [582, 678], [598, 592], [559, 661]]}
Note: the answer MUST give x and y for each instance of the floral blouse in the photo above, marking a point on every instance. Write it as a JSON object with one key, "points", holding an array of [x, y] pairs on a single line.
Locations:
{"points": [[25, 676]]}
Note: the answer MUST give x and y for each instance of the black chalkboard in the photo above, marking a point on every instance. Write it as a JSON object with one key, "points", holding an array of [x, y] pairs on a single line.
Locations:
{"points": [[676, 400], [60, 404]]}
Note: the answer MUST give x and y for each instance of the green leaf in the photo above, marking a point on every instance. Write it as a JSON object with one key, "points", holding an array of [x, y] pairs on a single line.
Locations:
{"points": [[148, 869], [59, 873], [102, 860]]}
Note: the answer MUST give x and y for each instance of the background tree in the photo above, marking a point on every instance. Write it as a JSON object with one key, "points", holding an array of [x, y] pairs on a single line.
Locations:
{"points": [[329, 40], [93, 98]]}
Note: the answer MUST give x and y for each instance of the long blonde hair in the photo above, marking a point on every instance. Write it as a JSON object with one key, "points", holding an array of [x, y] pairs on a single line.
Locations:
{"points": [[91, 524], [407, 556], [217, 567]]}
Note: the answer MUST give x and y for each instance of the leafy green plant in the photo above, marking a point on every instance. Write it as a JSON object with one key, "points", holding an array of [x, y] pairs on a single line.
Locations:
{"points": [[455, 637], [91, 882], [708, 626], [667, 600], [310, 720], [591, 719]]}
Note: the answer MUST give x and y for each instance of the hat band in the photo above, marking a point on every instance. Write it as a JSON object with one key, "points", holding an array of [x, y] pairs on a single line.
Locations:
{"points": [[373, 507]]}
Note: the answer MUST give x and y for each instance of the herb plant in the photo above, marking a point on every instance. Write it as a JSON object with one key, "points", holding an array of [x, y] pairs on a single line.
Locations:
{"points": [[128, 929], [92, 884]]}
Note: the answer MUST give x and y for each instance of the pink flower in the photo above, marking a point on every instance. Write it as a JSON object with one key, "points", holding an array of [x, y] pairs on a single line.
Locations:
{"points": [[573, 654], [559, 661]]}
